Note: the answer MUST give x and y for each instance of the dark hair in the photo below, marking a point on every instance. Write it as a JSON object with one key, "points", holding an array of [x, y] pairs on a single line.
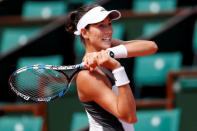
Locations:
{"points": [[73, 18]]}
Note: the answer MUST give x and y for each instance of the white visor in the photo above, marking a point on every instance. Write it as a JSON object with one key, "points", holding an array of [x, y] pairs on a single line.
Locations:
{"points": [[96, 15]]}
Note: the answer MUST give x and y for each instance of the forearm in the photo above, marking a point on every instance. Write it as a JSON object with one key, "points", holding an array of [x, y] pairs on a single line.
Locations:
{"points": [[126, 107], [126, 104], [141, 48], [137, 47]]}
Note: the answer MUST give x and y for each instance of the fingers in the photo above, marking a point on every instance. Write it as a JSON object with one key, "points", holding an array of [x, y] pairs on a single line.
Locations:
{"points": [[102, 58], [90, 61]]}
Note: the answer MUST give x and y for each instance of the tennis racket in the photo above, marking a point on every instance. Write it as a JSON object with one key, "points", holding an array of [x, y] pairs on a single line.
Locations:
{"points": [[43, 83]]}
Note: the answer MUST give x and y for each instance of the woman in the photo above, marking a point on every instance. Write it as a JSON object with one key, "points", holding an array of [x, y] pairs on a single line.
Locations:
{"points": [[109, 107]]}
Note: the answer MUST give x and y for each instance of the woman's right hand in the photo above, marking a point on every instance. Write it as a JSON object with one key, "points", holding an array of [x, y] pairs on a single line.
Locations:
{"points": [[102, 58]]}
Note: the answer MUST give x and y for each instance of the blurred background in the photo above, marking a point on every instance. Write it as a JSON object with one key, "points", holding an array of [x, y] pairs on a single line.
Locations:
{"points": [[164, 84]]}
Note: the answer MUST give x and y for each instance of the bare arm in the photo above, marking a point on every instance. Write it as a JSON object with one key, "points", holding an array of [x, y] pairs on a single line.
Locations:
{"points": [[97, 87], [137, 47]]}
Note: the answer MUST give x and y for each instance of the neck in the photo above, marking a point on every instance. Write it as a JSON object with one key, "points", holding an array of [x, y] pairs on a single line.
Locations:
{"points": [[90, 48]]}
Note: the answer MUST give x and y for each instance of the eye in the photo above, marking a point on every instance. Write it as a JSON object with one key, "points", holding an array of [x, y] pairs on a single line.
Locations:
{"points": [[110, 23], [101, 25]]}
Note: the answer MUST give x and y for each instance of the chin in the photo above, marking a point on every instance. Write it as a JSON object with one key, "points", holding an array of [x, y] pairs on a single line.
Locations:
{"points": [[106, 44]]}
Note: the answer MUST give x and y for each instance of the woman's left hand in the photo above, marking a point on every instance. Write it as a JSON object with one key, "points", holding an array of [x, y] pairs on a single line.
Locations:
{"points": [[102, 58]]}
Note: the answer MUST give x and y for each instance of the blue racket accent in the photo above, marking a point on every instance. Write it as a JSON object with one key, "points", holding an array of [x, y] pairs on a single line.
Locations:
{"points": [[41, 67], [29, 68], [66, 89], [57, 75], [49, 99], [61, 93], [82, 65]]}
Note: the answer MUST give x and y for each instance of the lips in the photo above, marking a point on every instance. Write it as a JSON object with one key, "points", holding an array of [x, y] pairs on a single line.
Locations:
{"points": [[106, 39]]}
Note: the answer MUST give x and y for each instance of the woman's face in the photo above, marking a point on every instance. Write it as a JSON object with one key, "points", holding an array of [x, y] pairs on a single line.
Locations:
{"points": [[99, 35]]}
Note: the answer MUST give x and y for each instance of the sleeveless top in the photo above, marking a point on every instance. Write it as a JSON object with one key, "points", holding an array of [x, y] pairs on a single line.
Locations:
{"points": [[101, 120]]}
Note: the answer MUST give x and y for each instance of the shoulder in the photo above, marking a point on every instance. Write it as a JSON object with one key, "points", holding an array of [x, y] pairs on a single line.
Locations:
{"points": [[85, 76], [89, 84]]}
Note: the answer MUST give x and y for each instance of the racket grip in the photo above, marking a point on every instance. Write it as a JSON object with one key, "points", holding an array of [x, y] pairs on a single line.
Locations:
{"points": [[82, 64]]}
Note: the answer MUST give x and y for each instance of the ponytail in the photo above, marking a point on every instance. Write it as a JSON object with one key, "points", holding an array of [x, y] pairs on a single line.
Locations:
{"points": [[71, 21]]}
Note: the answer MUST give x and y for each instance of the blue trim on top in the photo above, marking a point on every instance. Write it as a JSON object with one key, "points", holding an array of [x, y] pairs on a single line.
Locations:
{"points": [[41, 67], [29, 68]]}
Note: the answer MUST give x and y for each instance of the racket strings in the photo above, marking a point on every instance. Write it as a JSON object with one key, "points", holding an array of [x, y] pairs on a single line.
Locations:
{"points": [[54, 82], [47, 82]]}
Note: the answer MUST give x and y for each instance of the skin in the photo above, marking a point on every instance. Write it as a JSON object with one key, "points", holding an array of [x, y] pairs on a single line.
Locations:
{"points": [[97, 86]]}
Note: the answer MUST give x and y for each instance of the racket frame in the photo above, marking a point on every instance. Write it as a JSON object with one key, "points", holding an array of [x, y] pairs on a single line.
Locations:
{"points": [[78, 67]]}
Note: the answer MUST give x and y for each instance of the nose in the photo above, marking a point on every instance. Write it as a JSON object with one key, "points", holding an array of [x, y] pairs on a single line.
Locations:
{"points": [[109, 30]]}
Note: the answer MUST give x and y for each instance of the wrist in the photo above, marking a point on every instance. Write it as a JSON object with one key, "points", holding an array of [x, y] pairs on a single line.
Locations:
{"points": [[119, 51], [115, 66], [120, 76]]}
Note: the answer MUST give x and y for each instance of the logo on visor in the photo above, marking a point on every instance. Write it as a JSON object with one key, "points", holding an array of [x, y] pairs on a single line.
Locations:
{"points": [[102, 9]]}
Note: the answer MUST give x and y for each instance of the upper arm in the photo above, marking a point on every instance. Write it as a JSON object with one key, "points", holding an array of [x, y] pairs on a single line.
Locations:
{"points": [[93, 87]]}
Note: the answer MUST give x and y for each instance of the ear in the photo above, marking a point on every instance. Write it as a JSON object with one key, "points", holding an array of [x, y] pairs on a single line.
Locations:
{"points": [[84, 33]]}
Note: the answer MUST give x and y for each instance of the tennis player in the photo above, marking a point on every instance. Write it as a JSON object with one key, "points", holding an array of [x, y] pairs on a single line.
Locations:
{"points": [[104, 89]]}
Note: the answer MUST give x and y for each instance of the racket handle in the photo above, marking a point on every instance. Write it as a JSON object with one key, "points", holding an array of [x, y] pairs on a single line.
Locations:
{"points": [[82, 64]]}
